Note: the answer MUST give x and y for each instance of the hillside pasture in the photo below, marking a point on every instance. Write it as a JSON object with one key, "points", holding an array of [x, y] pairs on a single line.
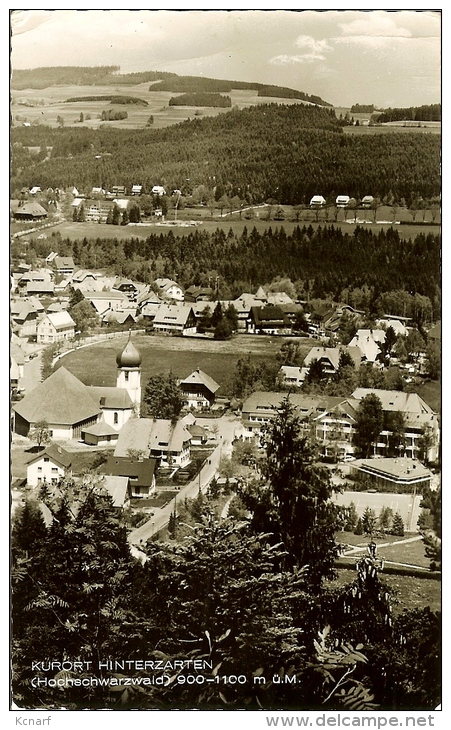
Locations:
{"points": [[44, 106]]}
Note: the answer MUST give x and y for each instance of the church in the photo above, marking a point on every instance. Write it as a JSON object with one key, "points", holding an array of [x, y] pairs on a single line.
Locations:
{"points": [[72, 409]]}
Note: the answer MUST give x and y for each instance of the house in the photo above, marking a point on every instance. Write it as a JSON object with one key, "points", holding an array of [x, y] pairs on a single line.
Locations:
{"points": [[123, 319], [317, 201], [199, 294], [342, 201], [199, 390], [292, 375], [169, 289], [199, 435], [126, 286], [35, 190], [40, 288], [396, 324], [102, 301], [368, 342], [140, 473], [24, 319], [100, 434], [55, 327], [419, 418], [260, 408], [30, 212], [329, 357], [50, 466], [269, 319], [157, 439], [64, 265], [175, 319], [367, 201], [118, 190], [158, 190], [243, 306], [137, 189]]}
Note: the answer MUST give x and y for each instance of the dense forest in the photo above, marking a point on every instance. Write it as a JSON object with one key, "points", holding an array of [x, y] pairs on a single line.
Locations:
{"points": [[287, 153], [114, 99], [376, 272], [45, 76], [201, 99], [429, 113]]}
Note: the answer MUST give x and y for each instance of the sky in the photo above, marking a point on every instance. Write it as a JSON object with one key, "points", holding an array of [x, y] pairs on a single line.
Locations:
{"points": [[381, 57]]}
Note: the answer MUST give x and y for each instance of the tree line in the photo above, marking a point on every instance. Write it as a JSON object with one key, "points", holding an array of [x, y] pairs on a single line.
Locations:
{"points": [[287, 153], [379, 273], [201, 99]]}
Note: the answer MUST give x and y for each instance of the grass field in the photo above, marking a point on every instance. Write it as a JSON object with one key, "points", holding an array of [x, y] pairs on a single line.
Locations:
{"points": [[210, 223], [96, 364], [432, 393]]}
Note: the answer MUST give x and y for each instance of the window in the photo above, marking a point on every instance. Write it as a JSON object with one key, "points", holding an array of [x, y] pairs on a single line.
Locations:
{"points": [[39, 468], [46, 459], [116, 418], [54, 470], [126, 374]]}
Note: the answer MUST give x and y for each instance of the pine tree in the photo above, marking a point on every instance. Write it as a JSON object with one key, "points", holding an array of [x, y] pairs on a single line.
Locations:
{"points": [[292, 498], [397, 527]]}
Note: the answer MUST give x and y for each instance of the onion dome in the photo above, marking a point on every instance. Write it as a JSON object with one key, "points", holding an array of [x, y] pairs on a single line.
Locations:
{"points": [[129, 357]]}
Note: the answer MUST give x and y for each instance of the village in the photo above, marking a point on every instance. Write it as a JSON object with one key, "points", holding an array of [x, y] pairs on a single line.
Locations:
{"points": [[149, 460]]}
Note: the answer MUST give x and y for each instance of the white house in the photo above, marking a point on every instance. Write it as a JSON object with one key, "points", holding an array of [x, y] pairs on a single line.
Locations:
{"points": [[317, 201], [55, 327], [170, 289], [49, 466], [158, 190], [342, 201]]}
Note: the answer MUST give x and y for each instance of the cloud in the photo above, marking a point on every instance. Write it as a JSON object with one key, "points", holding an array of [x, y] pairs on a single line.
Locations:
{"points": [[376, 25], [313, 50]]}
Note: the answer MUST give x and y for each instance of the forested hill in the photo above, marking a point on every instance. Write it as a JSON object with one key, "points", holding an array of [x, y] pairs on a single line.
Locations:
{"points": [[44, 77], [289, 153], [429, 113]]}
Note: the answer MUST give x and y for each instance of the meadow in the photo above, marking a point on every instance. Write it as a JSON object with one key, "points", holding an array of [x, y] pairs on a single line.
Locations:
{"points": [[203, 218], [96, 364], [44, 106]]}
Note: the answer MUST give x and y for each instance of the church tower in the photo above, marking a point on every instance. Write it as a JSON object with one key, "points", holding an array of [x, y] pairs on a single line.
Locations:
{"points": [[129, 372]]}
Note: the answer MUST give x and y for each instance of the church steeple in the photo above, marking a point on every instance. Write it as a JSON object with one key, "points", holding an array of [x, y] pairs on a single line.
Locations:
{"points": [[129, 372]]}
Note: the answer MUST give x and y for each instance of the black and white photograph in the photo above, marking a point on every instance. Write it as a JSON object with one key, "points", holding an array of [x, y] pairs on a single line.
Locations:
{"points": [[225, 307]]}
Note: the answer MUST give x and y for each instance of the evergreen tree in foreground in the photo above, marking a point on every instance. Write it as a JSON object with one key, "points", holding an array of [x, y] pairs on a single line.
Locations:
{"points": [[292, 499]]}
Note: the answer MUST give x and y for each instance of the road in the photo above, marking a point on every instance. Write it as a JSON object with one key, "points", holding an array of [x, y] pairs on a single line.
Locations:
{"points": [[226, 432]]}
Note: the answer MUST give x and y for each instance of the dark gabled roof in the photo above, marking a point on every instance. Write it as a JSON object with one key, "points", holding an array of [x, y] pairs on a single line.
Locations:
{"points": [[269, 314], [198, 377], [61, 399], [122, 466], [33, 209], [55, 453]]}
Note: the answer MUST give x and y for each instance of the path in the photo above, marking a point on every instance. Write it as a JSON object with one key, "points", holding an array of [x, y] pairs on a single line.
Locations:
{"points": [[226, 428]]}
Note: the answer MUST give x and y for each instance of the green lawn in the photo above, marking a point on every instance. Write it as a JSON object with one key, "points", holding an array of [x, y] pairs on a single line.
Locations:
{"points": [[96, 364], [431, 392], [410, 553]]}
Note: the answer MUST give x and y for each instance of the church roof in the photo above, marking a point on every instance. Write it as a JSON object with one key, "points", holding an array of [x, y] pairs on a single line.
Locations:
{"points": [[60, 399], [129, 357], [108, 397]]}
